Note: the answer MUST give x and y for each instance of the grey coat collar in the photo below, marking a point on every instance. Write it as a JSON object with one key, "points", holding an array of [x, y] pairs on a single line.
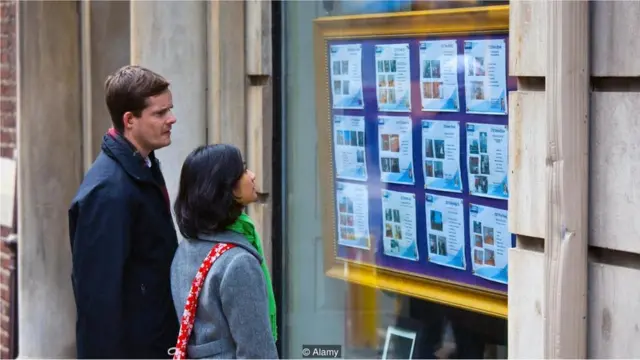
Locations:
{"points": [[231, 237]]}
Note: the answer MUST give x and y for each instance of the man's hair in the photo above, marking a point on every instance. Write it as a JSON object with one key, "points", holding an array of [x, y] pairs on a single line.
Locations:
{"points": [[128, 88], [205, 203]]}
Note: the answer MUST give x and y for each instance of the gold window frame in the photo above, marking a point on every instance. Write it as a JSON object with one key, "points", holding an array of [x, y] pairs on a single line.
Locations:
{"points": [[445, 22]]}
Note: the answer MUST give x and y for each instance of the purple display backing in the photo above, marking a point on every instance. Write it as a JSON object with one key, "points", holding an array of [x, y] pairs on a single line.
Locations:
{"points": [[375, 186]]}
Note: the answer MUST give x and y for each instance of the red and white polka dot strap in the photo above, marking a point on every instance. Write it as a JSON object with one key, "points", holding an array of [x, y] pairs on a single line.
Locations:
{"points": [[189, 315]]}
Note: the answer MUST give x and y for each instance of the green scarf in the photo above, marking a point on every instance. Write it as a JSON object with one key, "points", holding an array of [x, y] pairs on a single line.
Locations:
{"points": [[243, 225]]}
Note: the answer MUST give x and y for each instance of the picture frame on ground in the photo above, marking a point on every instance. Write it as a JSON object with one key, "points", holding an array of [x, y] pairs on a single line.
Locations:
{"points": [[402, 340]]}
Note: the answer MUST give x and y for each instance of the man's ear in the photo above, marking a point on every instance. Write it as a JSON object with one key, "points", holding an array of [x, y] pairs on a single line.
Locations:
{"points": [[127, 120]]}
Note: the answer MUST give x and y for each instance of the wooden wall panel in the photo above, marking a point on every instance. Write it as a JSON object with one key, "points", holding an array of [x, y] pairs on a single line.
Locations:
{"points": [[527, 184], [614, 323], [259, 112], [227, 79], [615, 41], [615, 171], [526, 302], [527, 38]]}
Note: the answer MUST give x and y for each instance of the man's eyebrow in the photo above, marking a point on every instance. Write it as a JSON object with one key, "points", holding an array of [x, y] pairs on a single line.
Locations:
{"points": [[164, 109]]}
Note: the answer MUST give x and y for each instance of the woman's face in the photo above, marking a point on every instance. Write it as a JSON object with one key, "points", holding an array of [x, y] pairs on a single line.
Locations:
{"points": [[245, 188]]}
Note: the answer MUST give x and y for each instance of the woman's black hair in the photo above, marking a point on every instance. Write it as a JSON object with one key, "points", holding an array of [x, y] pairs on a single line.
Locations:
{"points": [[205, 202]]}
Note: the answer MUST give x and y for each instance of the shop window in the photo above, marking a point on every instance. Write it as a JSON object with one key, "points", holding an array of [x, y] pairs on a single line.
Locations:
{"points": [[396, 161]]}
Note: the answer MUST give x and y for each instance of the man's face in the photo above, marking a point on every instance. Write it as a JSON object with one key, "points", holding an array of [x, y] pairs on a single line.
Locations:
{"points": [[152, 130]]}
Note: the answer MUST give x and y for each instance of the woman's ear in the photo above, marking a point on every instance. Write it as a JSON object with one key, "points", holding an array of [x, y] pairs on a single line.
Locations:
{"points": [[235, 191]]}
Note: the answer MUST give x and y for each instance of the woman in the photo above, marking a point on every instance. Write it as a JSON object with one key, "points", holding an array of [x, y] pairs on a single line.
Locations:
{"points": [[234, 313]]}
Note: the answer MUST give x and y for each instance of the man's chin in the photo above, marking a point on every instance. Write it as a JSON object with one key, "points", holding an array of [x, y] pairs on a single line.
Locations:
{"points": [[162, 144]]}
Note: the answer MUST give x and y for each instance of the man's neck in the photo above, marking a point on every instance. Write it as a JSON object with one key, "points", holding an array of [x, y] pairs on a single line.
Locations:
{"points": [[144, 153]]}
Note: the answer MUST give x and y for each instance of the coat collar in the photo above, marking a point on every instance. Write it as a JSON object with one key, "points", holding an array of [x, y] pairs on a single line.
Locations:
{"points": [[231, 237], [121, 150]]}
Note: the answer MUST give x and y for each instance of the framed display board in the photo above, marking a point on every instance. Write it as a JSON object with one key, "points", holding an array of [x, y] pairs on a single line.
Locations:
{"points": [[412, 117]]}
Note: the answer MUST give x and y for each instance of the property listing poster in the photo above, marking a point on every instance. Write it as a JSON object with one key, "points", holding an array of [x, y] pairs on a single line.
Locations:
{"points": [[488, 161], [441, 155], [439, 75], [348, 135], [346, 76], [445, 231], [393, 85], [486, 76], [399, 219], [490, 242], [396, 150], [353, 215]]}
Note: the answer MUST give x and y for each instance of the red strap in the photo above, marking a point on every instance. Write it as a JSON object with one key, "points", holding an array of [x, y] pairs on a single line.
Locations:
{"points": [[189, 314]]}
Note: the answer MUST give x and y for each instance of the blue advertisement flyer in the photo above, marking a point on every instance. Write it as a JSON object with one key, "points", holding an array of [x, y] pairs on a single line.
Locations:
{"points": [[393, 77], [353, 215], [396, 150], [486, 76], [346, 76], [349, 149], [445, 231], [400, 236], [439, 75], [441, 155], [488, 160], [490, 242]]}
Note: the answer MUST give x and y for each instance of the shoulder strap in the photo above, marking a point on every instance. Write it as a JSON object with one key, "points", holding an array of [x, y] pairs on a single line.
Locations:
{"points": [[189, 313]]}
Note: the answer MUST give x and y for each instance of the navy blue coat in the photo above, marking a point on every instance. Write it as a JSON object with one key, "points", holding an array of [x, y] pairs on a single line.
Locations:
{"points": [[123, 241]]}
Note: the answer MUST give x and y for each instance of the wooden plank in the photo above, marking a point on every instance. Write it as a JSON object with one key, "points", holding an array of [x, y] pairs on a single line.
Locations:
{"points": [[526, 303], [615, 171], [259, 159], [260, 114], [227, 78], [527, 131], [567, 95], [527, 38], [616, 44], [258, 30], [614, 325]]}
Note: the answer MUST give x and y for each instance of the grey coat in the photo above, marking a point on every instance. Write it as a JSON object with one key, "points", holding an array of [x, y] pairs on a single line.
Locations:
{"points": [[232, 319]]}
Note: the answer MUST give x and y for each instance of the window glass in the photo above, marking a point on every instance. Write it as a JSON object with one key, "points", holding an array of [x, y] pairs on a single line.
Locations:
{"points": [[378, 313]]}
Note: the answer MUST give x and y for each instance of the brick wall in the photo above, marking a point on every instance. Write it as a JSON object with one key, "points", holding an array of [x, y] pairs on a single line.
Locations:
{"points": [[8, 49]]}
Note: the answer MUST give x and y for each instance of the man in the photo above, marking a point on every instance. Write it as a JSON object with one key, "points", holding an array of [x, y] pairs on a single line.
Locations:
{"points": [[122, 233]]}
